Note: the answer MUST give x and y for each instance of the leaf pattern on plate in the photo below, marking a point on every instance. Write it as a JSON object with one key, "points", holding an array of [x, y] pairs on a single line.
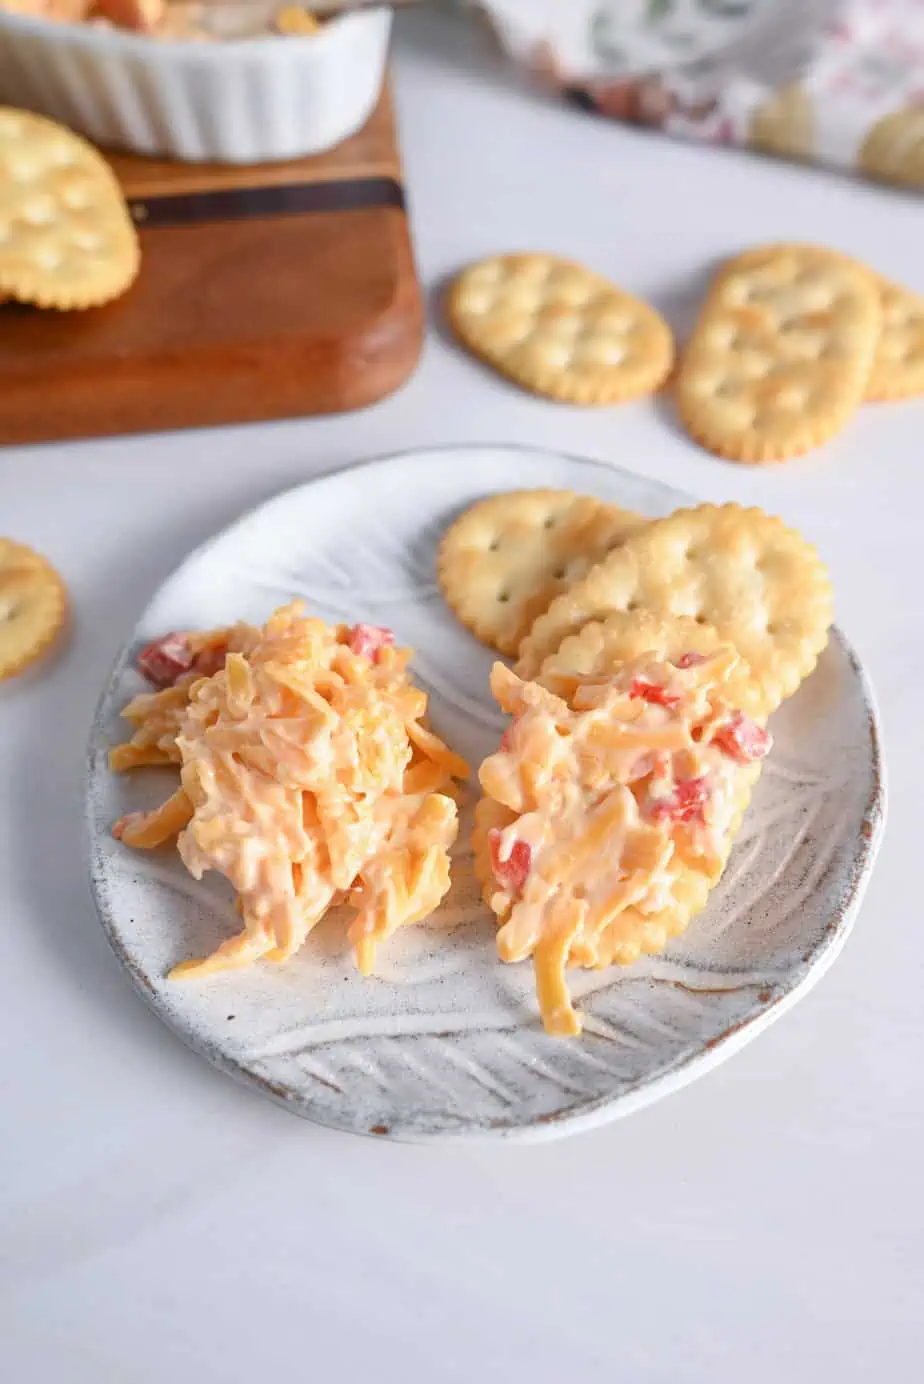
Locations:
{"points": [[445, 1040], [487, 1076]]}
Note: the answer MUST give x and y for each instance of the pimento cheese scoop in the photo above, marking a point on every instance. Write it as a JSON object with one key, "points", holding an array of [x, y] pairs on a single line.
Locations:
{"points": [[610, 810]]}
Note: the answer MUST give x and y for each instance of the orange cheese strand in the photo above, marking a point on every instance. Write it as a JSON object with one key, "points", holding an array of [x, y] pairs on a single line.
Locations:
{"points": [[147, 830]]}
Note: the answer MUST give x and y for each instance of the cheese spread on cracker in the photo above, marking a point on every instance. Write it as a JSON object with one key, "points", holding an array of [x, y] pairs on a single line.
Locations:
{"points": [[607, 797]]}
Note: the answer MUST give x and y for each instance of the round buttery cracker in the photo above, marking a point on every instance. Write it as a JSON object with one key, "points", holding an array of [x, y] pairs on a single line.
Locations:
{"points": [[33, 604], [761, 585], [560, 330], [781, 356], [623, 636], [503, 562], [66, 237]]}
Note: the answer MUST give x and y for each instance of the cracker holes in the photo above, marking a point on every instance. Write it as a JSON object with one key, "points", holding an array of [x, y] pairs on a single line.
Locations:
{"points": [[503, 597]]}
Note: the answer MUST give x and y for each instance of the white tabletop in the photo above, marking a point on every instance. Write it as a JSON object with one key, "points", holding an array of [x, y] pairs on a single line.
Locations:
{"points": [[158, 1222]]}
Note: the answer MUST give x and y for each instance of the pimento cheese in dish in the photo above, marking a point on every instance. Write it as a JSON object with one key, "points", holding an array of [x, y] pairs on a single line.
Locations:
{"points": [[199, 20], [598, 805], [307, 777]]}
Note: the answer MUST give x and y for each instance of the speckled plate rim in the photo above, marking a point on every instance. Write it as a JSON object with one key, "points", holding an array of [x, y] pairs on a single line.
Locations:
{"points": [[607, 1108]]}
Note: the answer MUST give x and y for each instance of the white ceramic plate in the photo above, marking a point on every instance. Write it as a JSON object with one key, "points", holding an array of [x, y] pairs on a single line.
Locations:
{"points": [[444, 1040]]}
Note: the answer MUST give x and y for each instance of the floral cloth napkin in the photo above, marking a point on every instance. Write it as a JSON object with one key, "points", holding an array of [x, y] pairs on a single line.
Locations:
{"points": [[839, 82]]}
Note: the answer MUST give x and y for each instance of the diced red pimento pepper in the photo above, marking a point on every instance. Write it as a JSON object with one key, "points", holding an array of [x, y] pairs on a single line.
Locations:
{"points": [[685, 803], [743, 739], [653, 692], [369, 640], [689, 660], [164, 660], [510, 873]]}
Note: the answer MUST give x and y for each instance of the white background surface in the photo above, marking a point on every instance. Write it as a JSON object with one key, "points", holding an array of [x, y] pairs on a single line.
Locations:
{"points": [[159, 1223]]}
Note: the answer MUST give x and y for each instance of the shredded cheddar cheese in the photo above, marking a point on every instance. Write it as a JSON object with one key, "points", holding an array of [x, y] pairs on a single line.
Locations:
{"points": [[307, 778], [609, 790]]}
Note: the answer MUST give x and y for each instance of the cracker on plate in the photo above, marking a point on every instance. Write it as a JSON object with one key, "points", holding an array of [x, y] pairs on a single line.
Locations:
{"points": [[761, 585], [503, 562], [624, 635]]}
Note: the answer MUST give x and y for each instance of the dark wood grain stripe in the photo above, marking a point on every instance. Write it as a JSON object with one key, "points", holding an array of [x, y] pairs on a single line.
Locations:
{"points": [[293, 199]]}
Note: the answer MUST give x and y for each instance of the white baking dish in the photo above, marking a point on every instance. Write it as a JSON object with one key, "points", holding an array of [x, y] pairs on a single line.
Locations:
{"points": [[234, 101]]}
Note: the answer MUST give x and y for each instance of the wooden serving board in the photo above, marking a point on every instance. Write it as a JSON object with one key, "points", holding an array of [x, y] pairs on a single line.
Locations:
{"points": [[267, 292]]}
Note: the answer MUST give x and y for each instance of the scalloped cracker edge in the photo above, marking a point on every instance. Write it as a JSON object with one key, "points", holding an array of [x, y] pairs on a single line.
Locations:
{"points": [[761, 585], [33, 607], [504, 561]]}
